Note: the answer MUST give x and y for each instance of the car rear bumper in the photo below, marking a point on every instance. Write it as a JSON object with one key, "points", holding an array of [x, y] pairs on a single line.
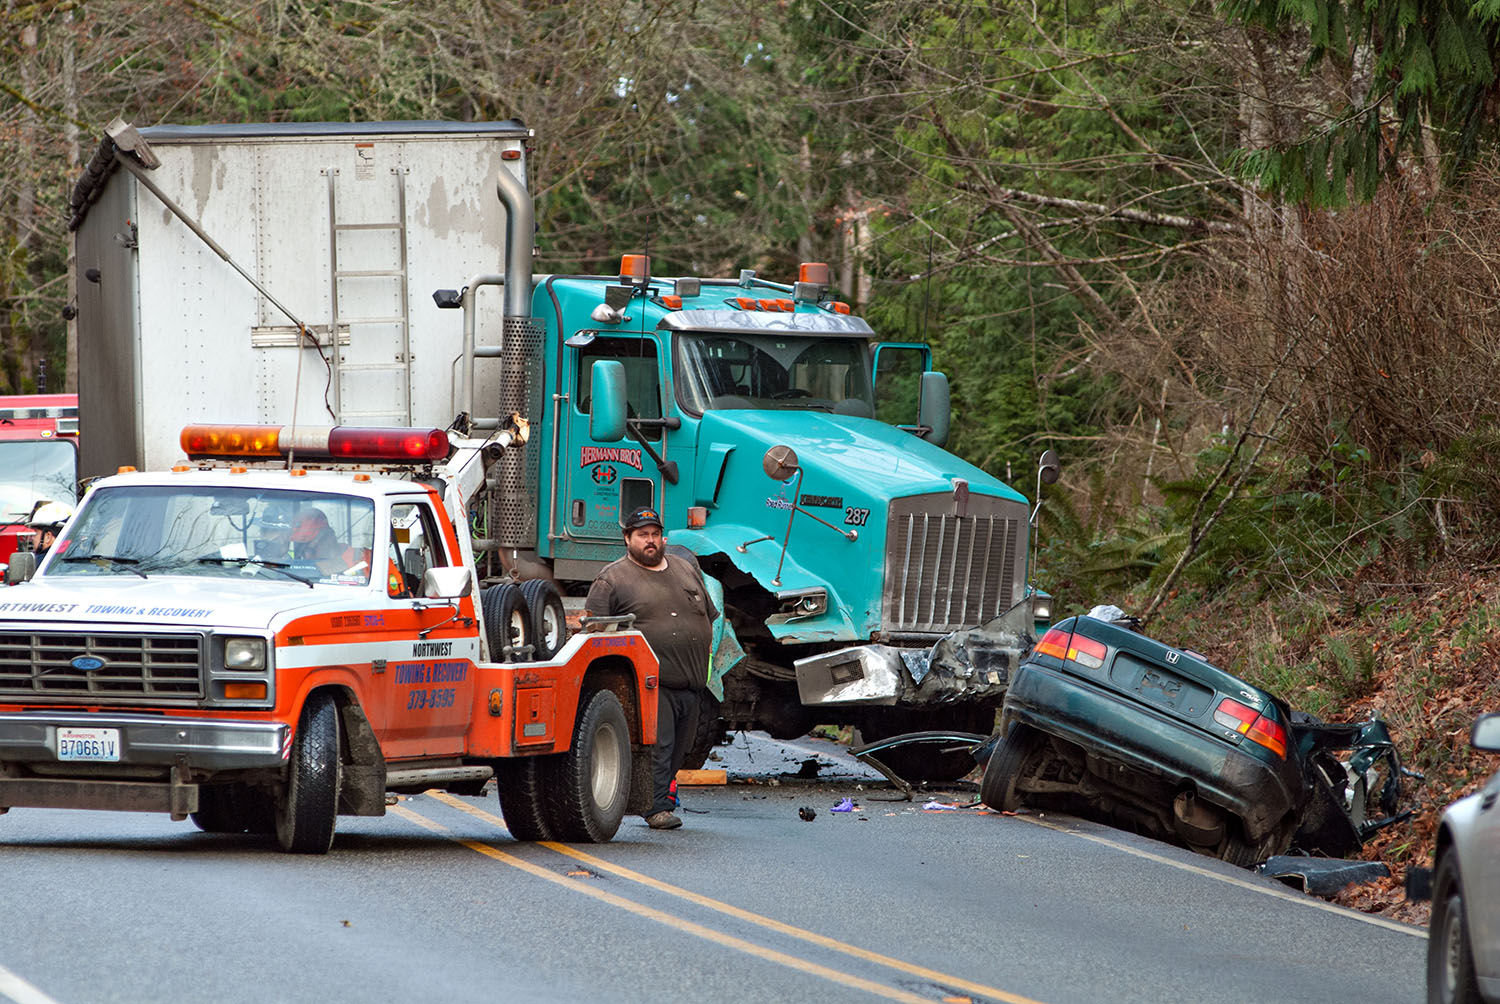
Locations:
{"points": [[1107, 725]]}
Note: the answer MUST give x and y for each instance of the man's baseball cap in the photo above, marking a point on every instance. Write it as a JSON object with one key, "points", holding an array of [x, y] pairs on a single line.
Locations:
{"points": [[644, 516]]}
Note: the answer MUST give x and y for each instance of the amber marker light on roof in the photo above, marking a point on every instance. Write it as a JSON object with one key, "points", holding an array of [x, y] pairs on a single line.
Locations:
{"points": [[814, 272], [634, 268]]}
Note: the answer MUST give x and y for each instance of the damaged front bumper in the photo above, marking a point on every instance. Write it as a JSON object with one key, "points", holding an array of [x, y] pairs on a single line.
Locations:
{"points": [[969, 665]]}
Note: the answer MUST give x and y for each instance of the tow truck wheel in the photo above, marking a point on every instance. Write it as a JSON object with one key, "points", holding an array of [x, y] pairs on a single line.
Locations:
{"points": [[591, 782], [308, 805], [520, 782], [506, 622], [1013, 756], [548, 619]]}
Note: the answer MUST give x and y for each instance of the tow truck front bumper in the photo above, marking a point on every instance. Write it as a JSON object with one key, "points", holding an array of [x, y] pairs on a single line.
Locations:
{"points": [[34, 775]]}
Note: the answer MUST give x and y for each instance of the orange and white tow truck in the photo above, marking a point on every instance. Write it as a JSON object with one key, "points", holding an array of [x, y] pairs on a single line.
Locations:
{"points": [[284, 628]]}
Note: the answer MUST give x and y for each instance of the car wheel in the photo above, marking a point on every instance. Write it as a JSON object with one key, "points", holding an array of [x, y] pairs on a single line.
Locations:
{"points": [[548, 620], [308, 807], [506, 622], [1450, 957], [1018, 753], [519, 783]]}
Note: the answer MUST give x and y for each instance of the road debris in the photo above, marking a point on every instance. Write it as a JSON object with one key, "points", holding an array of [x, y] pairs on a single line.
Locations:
{"points": [[808, 813], [1322, 876], [846, 805]]}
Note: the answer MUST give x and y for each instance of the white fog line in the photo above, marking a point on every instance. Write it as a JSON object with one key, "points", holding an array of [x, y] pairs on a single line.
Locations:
{"points": [[13, 988]]}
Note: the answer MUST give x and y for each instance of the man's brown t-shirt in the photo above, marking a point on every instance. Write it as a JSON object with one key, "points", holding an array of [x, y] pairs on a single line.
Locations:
{"points": [[671, 609]]}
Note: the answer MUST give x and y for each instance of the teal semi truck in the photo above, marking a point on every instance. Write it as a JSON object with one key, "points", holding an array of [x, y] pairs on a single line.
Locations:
{"points": [[870, 577]]}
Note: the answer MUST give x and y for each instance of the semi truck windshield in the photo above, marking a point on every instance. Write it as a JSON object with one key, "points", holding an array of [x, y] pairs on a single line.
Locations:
{"points": [[716, 371]]}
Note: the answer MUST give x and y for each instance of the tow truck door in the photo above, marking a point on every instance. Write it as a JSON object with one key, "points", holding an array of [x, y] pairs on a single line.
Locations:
{"points": [[601, 482], [426, 686]]}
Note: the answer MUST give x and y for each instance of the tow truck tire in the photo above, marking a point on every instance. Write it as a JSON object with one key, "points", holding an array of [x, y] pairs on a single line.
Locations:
{"points": [[1012, 756], [548, 620], [1450, 953], [216, 813], [307, 808], [591, 782], [520, 782], [506, 621]]}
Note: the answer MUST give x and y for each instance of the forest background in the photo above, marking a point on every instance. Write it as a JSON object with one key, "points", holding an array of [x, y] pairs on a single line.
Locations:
{"points": [[1238, 263]]}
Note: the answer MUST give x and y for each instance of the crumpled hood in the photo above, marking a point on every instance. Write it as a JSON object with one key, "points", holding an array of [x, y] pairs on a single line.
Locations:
{"points": [[846, 454], [196, 601]]}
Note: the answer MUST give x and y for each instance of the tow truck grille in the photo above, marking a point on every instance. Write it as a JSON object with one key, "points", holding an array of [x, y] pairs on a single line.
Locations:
{"points": [[946, 571], [153, 667]]}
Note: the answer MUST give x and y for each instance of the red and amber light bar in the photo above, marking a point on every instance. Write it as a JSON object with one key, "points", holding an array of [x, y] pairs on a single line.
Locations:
{"points": [[340, 442]]}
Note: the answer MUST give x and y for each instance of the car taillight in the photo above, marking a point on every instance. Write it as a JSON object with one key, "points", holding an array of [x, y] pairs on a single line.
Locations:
{"points": [[1075, 647], [1252, 725]]}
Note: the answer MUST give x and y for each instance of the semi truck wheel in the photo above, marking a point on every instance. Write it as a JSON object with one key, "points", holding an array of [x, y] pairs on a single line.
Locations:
{"points": [[1012, 757], [548, 621], [519, 782], [308, 806], [590, 784], [505, 622], [711, 732]]}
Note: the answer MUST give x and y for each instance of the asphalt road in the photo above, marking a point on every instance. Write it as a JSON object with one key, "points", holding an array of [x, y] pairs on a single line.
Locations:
{"points": [[747, 902]]}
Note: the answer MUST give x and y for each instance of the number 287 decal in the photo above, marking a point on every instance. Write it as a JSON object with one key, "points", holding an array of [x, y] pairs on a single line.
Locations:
{"points": [[855, 517]]}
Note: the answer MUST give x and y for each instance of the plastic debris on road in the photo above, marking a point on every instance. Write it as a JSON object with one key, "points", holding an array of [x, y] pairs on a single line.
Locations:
{"points": [[935, 804], [847, 805], [1322, 876]]}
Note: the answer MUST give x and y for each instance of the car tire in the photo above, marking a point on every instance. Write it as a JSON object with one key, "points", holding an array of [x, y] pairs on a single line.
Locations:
{"points": [[1013, 756], [547, 620], [1450, 956], [506, 622], [589, 785], [519, 782], [307, 808]]}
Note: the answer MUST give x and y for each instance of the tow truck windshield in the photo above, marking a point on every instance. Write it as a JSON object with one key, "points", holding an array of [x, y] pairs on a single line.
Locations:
{"points": [[294, 537], [774, 371]]}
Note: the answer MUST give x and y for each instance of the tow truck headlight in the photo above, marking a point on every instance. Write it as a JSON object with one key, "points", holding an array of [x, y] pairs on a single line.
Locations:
{"points": [[245, 655]]}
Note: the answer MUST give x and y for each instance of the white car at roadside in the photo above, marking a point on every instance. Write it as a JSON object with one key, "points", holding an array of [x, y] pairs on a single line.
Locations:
{"points": [[1463, 948]]}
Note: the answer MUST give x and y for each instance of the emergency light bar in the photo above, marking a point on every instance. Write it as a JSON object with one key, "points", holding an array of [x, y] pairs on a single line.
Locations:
{"points": [[341, 442]]}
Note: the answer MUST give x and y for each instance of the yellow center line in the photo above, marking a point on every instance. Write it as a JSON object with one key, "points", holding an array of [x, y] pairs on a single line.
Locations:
{"points": [[662, 917], [822, 941], [1286, 894]]}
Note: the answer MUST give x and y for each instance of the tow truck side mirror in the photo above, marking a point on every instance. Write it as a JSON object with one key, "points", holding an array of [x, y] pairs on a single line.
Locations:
{"points": [[607, 401], [934, 410], [447, 583], [22, 567]]}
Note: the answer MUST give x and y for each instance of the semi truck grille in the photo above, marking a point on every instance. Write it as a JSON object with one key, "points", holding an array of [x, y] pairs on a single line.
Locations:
{"points": [[154, 667], [944, 571]]}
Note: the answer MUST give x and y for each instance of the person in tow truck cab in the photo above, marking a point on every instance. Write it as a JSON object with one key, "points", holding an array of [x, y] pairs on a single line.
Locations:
{"points": [[313, 539], [275, 541], [673, 610], [46, 523]]}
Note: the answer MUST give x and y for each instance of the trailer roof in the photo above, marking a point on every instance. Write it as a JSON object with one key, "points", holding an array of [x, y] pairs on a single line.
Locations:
{"points": [[284, 130]]}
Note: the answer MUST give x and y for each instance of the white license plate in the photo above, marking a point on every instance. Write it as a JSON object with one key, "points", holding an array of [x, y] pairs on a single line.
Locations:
{"points": [[88, 744]]}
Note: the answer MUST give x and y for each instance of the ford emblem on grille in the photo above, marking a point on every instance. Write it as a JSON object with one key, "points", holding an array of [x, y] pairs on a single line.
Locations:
{"points": [[86, 663]]}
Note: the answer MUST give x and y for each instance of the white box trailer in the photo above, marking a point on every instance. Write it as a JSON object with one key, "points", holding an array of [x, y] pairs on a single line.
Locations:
{"points": [[348, 227]]}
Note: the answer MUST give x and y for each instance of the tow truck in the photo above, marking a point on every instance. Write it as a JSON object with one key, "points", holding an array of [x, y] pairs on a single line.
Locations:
{"points": [[284, 628]]}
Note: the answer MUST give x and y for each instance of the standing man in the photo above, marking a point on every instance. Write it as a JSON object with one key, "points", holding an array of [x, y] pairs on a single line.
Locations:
{"points": [[673, 610]]}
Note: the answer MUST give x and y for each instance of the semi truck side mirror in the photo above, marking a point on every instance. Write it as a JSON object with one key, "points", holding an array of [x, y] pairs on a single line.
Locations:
{"points": [[779, 463], [934, 411], [607, 401], [1047, 468]]}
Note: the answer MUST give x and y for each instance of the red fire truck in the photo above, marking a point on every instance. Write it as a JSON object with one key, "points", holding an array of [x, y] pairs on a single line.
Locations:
{"points": [[38, 460]]}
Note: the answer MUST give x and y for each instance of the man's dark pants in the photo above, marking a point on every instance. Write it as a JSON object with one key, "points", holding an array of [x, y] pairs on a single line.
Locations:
{"points": [[676, 728]]}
